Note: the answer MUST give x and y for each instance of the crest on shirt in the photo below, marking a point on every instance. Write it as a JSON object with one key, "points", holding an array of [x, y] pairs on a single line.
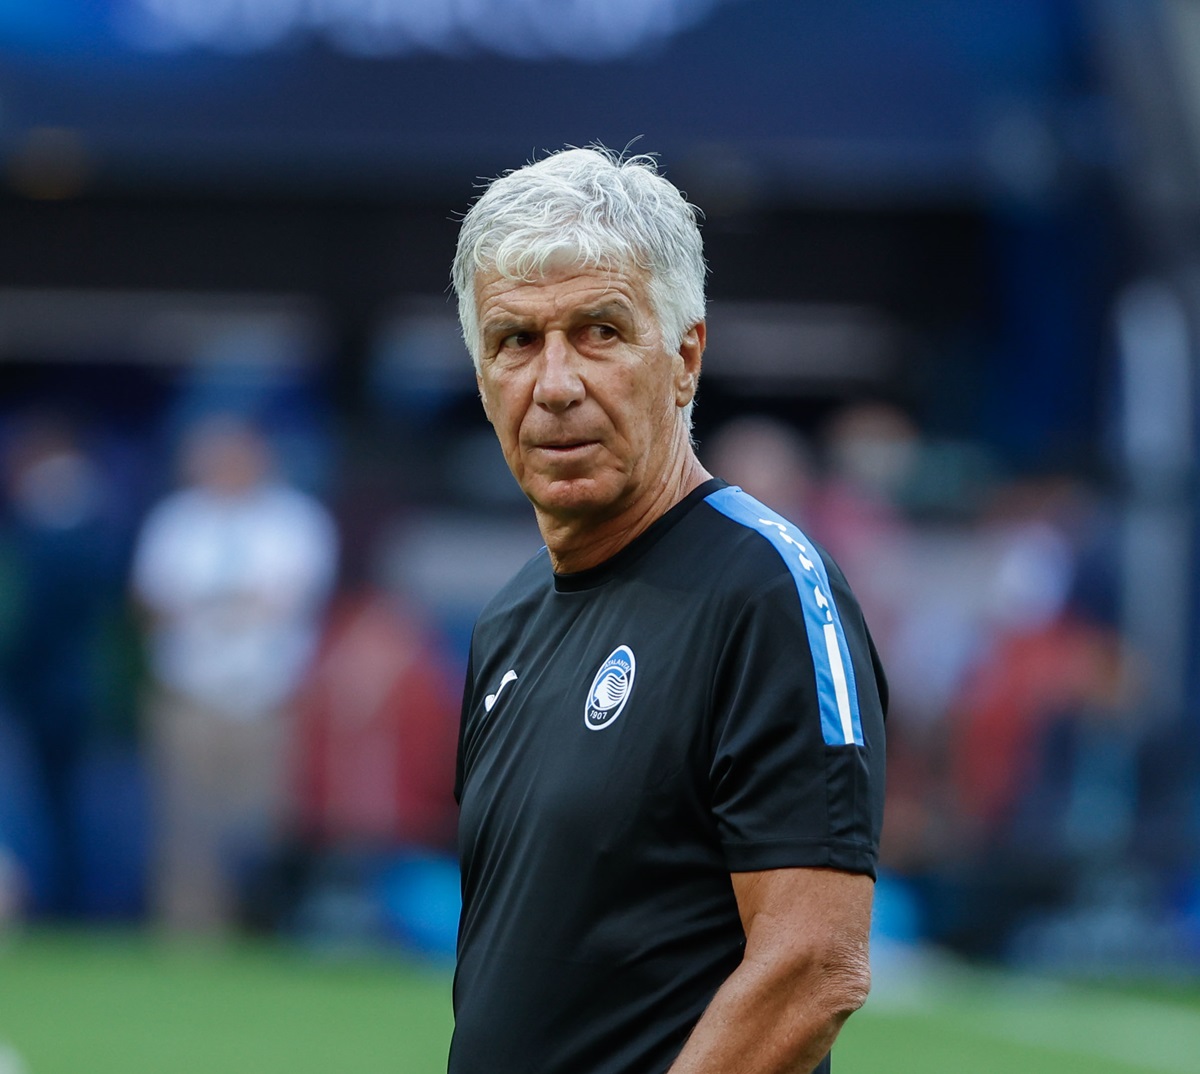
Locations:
{"points": [[610, 689]]}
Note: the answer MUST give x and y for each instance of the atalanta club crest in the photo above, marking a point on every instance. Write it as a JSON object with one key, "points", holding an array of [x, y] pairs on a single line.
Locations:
{"points": [[610, 689]]}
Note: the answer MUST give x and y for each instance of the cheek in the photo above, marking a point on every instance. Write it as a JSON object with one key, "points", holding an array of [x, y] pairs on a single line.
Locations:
{"points": [[507, 413], [634, 402], [500, 405], [652, 404]]}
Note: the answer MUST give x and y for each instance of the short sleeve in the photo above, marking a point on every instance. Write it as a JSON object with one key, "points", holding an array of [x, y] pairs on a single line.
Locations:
{"points": [[789, 789]]}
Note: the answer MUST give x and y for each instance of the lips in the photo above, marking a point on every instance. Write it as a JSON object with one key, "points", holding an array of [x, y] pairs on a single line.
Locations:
{"points": [[564, 446]]}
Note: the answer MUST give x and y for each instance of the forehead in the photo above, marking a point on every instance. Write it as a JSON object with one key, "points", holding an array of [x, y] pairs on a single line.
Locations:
{"points": [[562, 290]]}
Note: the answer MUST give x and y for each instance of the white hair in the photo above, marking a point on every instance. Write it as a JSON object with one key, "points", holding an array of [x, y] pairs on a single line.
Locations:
{"points": [[593, 208]]}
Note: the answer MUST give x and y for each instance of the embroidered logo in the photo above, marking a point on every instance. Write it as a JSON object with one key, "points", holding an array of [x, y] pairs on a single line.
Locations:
{"points": [[490, 700], [610, 689]]}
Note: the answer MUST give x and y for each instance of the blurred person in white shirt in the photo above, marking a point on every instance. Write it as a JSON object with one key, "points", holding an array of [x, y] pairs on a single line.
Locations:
{"points": [[234, 570]]}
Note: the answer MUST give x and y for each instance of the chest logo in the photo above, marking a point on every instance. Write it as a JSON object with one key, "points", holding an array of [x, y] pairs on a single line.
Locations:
{"points": [[610, 689], [490, 700]]}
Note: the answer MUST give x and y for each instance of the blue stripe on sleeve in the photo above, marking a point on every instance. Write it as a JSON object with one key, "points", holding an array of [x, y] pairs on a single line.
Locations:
{"points": [[837, 697]]}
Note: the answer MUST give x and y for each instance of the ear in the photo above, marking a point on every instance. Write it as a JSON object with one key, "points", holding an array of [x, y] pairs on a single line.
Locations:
{"points": [[687, 363]]}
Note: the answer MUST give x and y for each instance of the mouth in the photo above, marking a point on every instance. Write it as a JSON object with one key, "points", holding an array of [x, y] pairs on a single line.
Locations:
{"points": [[566, 447]]}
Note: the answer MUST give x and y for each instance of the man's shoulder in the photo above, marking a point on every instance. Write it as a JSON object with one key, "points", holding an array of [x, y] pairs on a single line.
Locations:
{"points": [[737, 543]]}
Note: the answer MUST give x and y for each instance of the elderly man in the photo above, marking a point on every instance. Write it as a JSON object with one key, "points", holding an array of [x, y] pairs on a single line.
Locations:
{"points": [[671, 757]]}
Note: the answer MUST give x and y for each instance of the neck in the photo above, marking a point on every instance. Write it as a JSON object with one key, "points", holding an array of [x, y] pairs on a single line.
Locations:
{"points": [[577, 544]]}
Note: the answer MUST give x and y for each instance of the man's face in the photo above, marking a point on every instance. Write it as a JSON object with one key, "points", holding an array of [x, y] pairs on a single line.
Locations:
{"points": [[581, 391]]}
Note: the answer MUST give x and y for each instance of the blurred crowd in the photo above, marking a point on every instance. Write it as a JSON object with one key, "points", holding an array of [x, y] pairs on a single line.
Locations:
{"points": [[1038, 808], [229, 695], [203, 719]]}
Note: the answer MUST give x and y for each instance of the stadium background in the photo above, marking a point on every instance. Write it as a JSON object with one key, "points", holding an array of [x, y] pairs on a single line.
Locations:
{"points": [[954, 251]]}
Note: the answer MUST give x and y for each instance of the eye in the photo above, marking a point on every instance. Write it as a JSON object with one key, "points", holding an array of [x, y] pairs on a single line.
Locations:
{"points": [[601, 332], [516, 341]]}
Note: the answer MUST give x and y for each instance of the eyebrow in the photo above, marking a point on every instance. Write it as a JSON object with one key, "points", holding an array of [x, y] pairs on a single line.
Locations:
{"points": [[608, 310]]}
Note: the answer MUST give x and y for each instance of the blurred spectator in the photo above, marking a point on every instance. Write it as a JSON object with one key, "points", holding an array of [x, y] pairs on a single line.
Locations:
{"points": [[373, 809], [870, 452], [233, 570], [770, 460], [377, 734], [1042, 784], [62, 574], [1031, 765]]}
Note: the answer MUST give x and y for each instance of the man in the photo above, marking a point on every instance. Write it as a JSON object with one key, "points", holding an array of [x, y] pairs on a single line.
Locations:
{"points": [[671, 754], [233, 571]]}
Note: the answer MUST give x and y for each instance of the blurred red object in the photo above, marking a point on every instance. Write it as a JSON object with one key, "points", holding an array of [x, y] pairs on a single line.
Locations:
{"points": [[1066, 667], [377, 732]]}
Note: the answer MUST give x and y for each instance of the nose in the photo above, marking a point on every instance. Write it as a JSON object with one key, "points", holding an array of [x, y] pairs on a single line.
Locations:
{"points": [[559, 384]]}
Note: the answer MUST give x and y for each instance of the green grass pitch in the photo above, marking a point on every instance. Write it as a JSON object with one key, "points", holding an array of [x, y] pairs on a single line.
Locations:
{"points": [[91, 1003]]}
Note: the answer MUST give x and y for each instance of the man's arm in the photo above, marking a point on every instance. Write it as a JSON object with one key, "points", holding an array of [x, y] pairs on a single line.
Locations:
{"points": [[805, 971]]}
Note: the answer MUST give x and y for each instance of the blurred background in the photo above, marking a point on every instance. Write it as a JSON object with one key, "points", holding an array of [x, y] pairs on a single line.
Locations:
{"points": [[249, 505]]}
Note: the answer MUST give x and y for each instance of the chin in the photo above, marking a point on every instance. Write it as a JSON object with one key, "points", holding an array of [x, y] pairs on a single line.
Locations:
{"points": [[575, 497]]}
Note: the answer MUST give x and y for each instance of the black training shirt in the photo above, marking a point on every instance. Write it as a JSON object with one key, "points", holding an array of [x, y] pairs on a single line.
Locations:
{"points": [[706, 701]]}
